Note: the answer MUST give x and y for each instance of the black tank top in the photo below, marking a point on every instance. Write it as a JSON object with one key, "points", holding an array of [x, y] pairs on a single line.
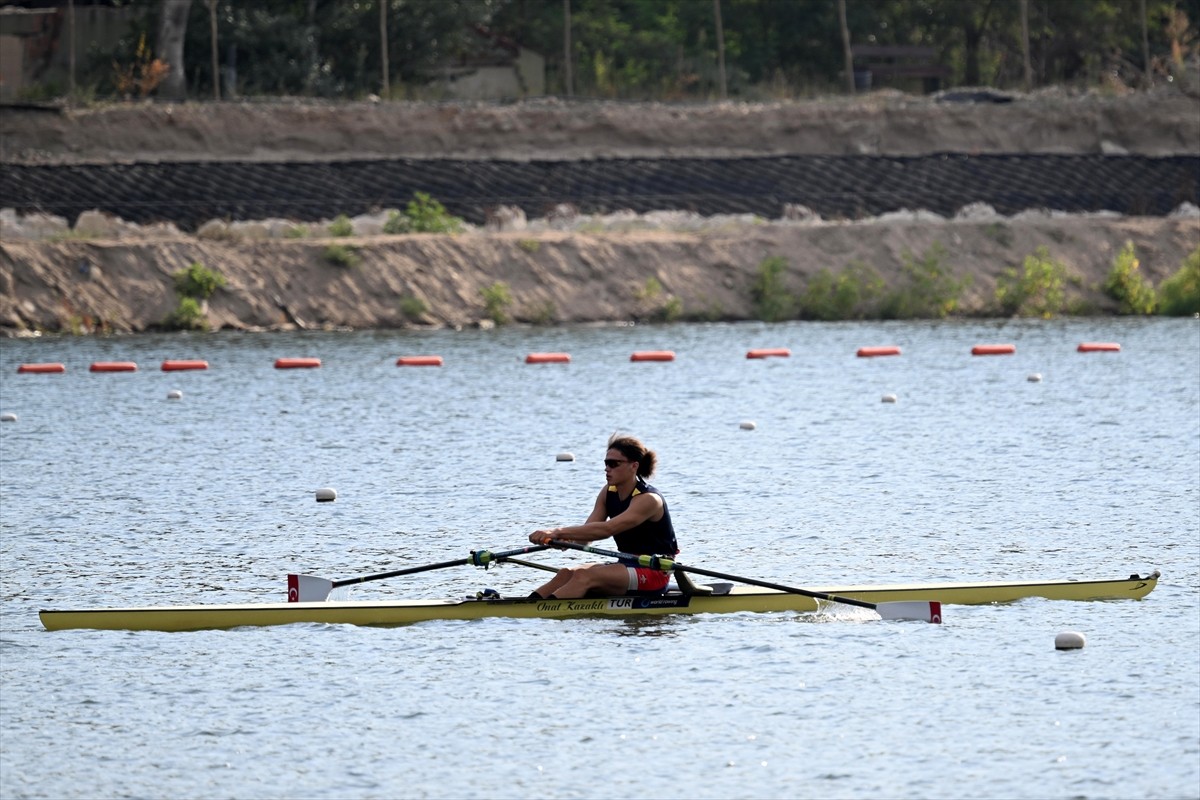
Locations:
{"points": [[649, 538]]}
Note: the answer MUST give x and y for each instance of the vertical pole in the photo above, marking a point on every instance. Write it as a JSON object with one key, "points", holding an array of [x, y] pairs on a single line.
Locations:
{"points": [[847, 54], [212, 32], [567, 48], [720, 47], [383, 47], [71, 71], [1025, 45]]}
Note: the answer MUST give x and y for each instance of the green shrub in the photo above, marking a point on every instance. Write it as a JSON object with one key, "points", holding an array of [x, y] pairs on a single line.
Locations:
{"points": [[772, 301], [1126, 285], [397, 223], [927, 289], [1037, 289], [295, 232], [1179, 295], [427, 215], [543, 314], [851, 294], [999, 233], [341, 226], [649, 290], [341, 255], [187, 316], [530, 246], [496, 300], [197, 281], [412, 307], [670, 311]]}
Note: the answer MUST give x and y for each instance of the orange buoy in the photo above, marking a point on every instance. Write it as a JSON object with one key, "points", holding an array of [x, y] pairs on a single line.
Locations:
{"points": [[1099, 347], [181, 365], [297, 363], [768, 352], [872, 352], [548, 358], [419, 361], [653, 355], [42, 368], [993, 349], [114, 366]]}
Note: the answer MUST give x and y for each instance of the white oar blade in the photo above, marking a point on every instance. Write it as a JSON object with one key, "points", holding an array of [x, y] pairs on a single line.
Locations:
{"points": [[308, 589], [916, 609]]}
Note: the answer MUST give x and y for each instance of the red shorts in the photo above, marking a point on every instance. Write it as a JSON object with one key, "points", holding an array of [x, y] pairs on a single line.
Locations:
{"points": [[643, 579]]}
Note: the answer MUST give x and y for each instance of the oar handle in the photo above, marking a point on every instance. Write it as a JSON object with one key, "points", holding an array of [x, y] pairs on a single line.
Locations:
{"points": [[667, 565], [480, 558]]}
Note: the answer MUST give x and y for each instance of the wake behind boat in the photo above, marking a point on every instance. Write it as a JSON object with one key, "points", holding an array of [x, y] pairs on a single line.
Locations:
{"points": [[722, 599]]}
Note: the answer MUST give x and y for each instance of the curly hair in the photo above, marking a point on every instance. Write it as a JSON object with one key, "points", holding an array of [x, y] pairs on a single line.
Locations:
{"points": [[634, 450]]}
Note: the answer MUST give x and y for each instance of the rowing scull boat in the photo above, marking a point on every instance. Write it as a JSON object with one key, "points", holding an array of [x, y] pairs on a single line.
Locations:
{"points": [[738, 598]]}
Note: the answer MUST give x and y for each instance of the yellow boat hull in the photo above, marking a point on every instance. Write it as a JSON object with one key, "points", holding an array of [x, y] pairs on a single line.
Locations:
{"points": [[740, 599]]}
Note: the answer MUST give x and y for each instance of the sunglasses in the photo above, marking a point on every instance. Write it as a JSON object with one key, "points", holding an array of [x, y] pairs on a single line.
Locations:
{"points": [[613, 463]]}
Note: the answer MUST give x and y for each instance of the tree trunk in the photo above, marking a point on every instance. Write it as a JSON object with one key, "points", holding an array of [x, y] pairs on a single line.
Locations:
{"points": [[216, 61], [972, 36], [846, 52], [720, 48], [172, 26], [1147, 77], [386, 88], [567, 48], [1025, 45]]}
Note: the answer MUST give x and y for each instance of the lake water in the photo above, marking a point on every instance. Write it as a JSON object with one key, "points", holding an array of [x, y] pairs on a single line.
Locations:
{"points": [[113, 494]]}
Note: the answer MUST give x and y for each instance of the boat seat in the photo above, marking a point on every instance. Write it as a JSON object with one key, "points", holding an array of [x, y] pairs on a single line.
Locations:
{"points": [[685, 586]]}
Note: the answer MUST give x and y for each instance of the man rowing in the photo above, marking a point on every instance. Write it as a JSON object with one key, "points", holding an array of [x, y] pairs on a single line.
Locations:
{"points": [[631, 511]]}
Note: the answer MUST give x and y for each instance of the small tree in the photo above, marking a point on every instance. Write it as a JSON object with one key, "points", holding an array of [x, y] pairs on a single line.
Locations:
{"points": [[197, 281], [1126, 285]]}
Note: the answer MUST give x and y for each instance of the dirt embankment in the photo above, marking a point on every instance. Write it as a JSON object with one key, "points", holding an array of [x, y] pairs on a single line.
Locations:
{"points": [[883, 123], [553, 277], [125, 284]]}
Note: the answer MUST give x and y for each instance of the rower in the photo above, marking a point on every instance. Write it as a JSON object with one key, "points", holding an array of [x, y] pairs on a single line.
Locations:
{"points": [[631, 511]]}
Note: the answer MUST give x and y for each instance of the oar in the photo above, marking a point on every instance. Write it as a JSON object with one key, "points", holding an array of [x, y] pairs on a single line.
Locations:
{"points": [[311, 589], [927, 611]]}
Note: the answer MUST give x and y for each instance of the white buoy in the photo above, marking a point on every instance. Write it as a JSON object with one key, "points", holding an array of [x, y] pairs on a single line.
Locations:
{"points": [[8, 416], [326, 495], [565, 457], [748, 425], [1069, 640], [888, 398], [174, 394], [1035, 377]]}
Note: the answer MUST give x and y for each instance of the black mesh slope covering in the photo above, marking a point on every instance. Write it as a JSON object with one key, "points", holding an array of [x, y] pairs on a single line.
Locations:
{"points": [[190, 193]]}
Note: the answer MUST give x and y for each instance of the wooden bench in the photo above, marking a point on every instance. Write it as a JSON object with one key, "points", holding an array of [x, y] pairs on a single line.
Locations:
{"points": [[897, 62]]}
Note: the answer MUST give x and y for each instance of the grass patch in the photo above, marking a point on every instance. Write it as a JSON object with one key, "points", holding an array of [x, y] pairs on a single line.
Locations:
{"points": [[341, 255], [397, 223], [341, 227], [530, 246], [999, 233], [413, 307]]}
